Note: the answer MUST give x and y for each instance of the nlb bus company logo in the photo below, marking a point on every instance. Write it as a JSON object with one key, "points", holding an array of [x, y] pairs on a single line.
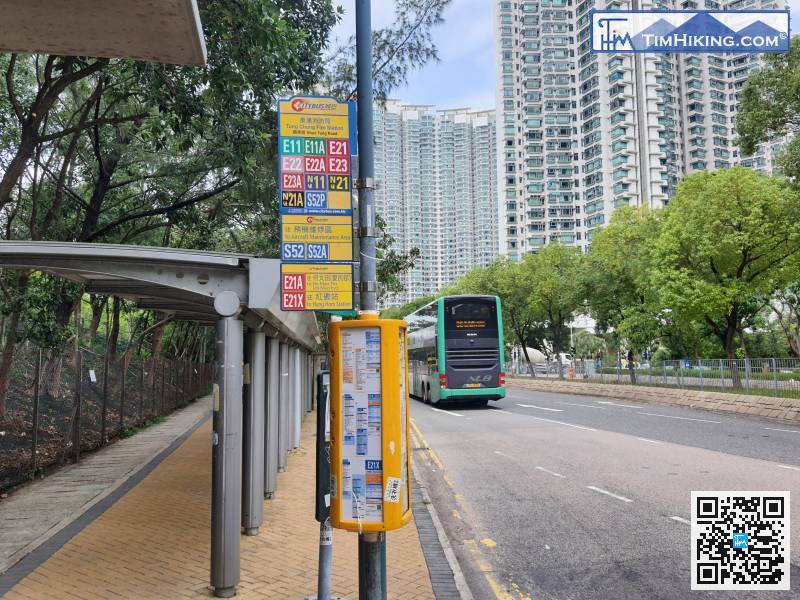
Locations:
{"points": [[752, 31]]}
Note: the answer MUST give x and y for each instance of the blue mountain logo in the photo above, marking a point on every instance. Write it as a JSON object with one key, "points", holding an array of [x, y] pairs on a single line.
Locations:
{"points": [[703, 32], [759, 28], [659, 28]]}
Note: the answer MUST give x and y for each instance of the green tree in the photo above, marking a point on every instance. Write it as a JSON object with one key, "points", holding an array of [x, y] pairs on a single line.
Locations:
{"points": [[725, 240], [770, 107], [391, 263], [397, 50], [588, 345], [620, 294], [556, 276]]}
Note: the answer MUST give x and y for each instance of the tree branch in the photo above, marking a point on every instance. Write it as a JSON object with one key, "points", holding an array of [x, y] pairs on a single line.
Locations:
{"points": [[12, 97], [98, 122], [390, 58], [162, 211]]}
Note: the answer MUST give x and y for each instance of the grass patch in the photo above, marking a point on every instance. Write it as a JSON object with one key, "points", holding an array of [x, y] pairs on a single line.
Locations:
{"points": [[130, 431]]}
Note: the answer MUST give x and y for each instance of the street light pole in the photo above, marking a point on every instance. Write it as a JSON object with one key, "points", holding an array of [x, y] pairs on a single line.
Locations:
{"points": [[371, 546], [366, 159]]}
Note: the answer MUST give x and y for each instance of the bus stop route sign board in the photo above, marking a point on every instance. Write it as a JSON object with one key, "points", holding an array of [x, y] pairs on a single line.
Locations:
{"points": [[307, 286], [315, 142]]}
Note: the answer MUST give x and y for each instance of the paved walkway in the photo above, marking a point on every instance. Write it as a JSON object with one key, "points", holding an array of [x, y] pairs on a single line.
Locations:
{"points": [[154, 541], [35, 514]]}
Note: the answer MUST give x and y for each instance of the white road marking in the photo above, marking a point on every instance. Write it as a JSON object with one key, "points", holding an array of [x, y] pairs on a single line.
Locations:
{"points": [[504, 454], [561, 423], [651, 441], [681, 418], [500, 410], [607, 493], [786, 430], [447, 412], [789, 467], [541, 407], [583, 405], [680, 520], [617, 404], [553, 473]]}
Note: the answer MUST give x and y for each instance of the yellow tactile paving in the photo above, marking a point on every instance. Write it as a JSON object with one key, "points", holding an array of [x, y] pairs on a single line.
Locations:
{"points": [[154, 542]]}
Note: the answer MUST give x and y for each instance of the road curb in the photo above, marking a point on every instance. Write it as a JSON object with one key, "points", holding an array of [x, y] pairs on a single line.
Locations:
{"points": [[447, 579], [783, 410]]}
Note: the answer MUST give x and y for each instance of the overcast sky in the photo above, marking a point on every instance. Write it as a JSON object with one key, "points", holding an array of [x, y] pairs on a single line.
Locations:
{"points": [[464, 77]]}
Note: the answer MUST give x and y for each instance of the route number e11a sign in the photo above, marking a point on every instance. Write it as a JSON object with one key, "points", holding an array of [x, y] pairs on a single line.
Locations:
{"points": [[315, 145]]}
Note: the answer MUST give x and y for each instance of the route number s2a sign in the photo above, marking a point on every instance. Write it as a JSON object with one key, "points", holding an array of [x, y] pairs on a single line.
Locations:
{"points": [[316, 139]]}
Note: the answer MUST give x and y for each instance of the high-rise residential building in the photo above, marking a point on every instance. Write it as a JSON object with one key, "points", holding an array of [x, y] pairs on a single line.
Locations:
{"points": [[581, 134], [437, 190]]}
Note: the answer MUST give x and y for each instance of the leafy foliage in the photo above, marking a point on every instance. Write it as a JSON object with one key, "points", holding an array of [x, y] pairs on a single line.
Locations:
{"points": [[397, 50], [770, 107], [725, 241]]}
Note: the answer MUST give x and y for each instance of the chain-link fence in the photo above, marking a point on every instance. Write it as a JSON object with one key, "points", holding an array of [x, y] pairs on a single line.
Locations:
{"points": [[52, 416], [778, 377]]}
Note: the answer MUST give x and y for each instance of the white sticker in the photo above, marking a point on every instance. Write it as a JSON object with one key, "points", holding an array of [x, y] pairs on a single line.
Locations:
{"points": [[334, 493], [325, 534], [214, 439], [92, 376], [391, 447], [392, 493], [327, 500]]}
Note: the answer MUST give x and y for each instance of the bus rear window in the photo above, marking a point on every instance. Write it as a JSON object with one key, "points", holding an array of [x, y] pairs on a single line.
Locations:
{"points": [[470, 315]]}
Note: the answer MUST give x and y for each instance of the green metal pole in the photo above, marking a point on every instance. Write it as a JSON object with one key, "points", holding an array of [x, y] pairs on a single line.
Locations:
{"points": [[371, 547]]}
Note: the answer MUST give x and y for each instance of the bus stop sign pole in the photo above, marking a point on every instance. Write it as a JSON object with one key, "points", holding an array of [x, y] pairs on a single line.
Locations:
{"points": [[371, 546]]}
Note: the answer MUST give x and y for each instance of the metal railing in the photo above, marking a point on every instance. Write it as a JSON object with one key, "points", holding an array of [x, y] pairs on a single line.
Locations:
{"points": [[777, 377], [52, 416]]}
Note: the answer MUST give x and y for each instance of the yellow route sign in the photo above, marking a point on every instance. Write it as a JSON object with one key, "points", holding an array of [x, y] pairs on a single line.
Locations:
{"points": [[316, 286], [316, 142], [317, 237]]}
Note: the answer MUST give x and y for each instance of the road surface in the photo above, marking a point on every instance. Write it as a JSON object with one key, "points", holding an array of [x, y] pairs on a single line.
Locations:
{"points": [[577, 497]]}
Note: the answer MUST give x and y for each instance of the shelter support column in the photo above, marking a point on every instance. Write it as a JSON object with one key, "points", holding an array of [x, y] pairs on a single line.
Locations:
{"points": [[271, 446], [253, 447], [283, 417], [226, 455], [297, 398]]}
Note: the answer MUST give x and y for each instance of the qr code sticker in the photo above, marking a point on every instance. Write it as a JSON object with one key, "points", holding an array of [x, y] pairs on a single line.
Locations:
{"points": [[740, 540]]}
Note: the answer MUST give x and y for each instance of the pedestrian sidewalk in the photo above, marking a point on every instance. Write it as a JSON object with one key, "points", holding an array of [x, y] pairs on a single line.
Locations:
{"points": [[155, 541], [37, 513]]}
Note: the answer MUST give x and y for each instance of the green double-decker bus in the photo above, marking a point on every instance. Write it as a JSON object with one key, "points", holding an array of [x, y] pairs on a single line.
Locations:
{"points": [[455, 350]]}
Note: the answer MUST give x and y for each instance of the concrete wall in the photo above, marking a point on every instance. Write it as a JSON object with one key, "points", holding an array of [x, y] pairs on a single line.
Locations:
{"points": [[779, 408]]}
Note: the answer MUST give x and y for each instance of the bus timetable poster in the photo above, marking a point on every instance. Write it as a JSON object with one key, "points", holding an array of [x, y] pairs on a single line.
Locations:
{"points": [[362, 453]]}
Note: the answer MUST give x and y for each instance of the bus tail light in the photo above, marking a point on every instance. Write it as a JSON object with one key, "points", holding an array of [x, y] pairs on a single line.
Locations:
{"points": [[443, 380], [502, 379]]}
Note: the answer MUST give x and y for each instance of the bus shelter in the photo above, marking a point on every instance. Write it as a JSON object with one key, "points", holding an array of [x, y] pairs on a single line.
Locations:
{"points": [[263, 359]]}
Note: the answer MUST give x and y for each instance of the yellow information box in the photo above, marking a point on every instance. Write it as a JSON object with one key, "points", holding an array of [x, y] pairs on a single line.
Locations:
{"points": [[370, 477]]}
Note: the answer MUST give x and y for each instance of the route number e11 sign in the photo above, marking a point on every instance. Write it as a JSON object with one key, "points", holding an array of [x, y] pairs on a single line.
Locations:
{"points": [[315, 142]]}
